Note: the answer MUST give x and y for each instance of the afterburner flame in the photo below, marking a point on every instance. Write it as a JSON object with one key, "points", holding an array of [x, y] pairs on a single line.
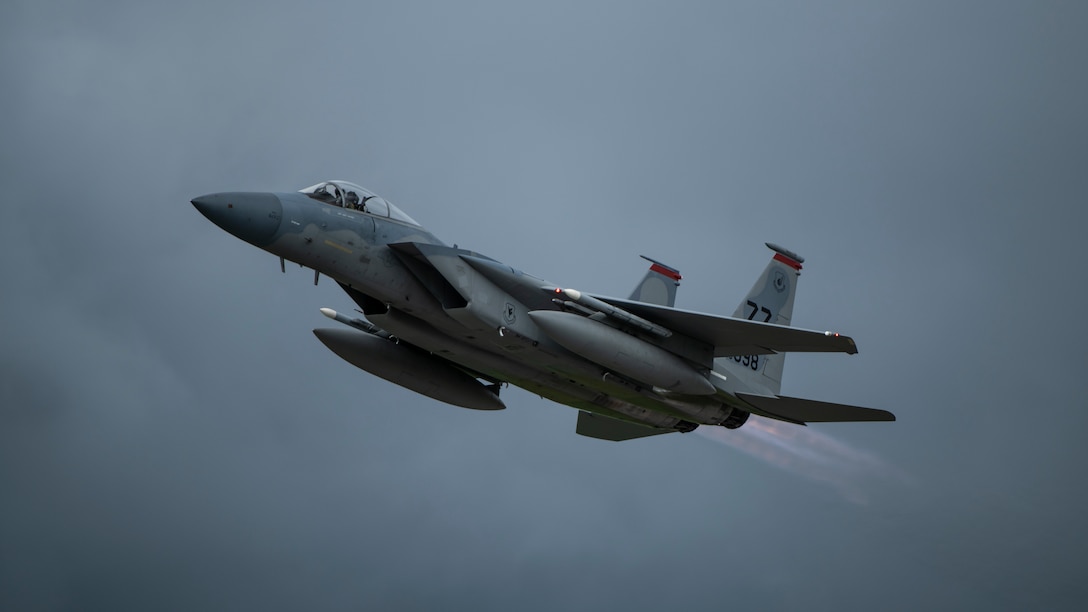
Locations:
{"points": [[809, 453]]}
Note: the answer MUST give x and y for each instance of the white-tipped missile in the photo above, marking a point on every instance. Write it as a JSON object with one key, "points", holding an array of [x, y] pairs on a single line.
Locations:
{"points": [[619, 314], [356, 323], [622, 352], [409, 367]]}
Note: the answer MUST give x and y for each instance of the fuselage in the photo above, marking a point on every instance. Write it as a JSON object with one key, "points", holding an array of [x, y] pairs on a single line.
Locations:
{"points": [[461, 306]]}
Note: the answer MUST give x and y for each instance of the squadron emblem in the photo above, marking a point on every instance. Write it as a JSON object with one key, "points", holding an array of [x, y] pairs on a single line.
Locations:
{"points": [[779, 281]]}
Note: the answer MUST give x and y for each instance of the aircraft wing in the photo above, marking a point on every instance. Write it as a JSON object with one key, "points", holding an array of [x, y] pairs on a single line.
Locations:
{"points": [[801, 411], [731, 337]]}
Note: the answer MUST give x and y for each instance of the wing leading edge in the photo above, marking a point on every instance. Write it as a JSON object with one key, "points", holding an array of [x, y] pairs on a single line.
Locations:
{"points": [[731, 337]]}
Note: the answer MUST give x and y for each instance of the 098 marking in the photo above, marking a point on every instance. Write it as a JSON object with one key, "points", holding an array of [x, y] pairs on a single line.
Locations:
{"points": [[748, 361]]}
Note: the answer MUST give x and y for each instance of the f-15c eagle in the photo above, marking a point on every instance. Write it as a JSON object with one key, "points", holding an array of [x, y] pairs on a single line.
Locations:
{"points": [[456, 325]]}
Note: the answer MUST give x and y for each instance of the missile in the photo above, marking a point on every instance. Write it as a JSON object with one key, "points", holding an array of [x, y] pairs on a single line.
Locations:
{"points": [[359, 324], [701, 409], [409, 367], [619, 314], [643, 416], [622, 352]]}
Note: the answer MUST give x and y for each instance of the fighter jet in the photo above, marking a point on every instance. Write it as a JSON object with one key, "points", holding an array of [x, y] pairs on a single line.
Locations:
{"points": [[458, 326]]}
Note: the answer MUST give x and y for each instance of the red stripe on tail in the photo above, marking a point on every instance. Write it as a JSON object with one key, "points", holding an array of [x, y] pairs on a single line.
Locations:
{"points": [[662, 270], [796, 265]]}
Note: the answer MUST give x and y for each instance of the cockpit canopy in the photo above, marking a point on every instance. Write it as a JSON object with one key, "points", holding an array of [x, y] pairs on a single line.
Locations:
{"points": [[350, 195]]}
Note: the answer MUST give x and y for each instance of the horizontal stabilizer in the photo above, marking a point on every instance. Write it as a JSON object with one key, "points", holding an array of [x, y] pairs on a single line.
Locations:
{"points": [[798, 410], [605, 428]]}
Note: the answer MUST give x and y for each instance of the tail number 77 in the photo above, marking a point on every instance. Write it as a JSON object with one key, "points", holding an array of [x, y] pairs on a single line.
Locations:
{"points": [[756, 308]]}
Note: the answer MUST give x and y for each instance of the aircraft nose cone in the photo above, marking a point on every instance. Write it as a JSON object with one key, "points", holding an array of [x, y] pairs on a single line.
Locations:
{"points": [[251, 216]]}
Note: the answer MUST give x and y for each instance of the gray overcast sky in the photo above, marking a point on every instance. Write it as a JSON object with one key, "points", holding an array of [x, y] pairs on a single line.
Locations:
{"points": [[173, 437]]}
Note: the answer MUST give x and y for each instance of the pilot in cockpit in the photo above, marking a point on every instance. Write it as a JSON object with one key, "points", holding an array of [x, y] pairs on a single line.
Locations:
{"points": [[352, 200]]}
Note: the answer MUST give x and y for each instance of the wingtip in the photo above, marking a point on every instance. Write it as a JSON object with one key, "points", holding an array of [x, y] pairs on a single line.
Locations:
{"points": [[851, 346]]}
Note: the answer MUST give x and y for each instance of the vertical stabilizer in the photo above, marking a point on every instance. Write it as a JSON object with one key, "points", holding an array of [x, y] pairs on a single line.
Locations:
{"points": [[659, 285], [769, 301]]}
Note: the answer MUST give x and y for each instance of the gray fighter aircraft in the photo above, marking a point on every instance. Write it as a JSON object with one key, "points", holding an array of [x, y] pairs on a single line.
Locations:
{"points": [[456, 325]]}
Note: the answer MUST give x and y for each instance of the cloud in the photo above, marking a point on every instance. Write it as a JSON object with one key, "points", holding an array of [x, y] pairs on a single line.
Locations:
{"points": [[163, 401]]}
